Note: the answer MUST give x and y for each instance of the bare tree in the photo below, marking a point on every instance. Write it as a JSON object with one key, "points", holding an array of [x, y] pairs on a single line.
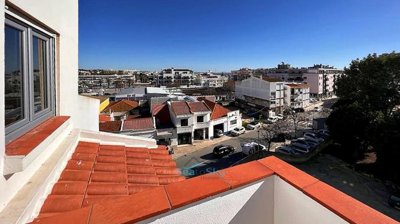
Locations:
{"points": [[294, 117], [268, 132]]}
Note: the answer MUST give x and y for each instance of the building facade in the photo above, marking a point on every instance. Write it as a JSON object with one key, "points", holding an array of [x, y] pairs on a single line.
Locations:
{"points": [[265, 94], [176, 77], [297, 95]]}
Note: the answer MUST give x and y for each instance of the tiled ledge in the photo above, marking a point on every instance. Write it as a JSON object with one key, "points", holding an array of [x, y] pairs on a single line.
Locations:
{"points": [[23, 145], [21, 152]]}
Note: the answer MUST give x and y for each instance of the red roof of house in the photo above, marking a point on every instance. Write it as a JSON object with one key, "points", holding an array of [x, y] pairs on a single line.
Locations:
{"points": [[103, 118], [217, 111], [121, 106], [138, 124], [158, 200], [180, 108], [271, 79], [198, 107], [298, 86], [98, 173], [110, 126]]}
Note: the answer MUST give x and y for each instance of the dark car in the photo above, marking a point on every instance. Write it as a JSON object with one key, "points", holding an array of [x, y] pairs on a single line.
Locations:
{"points": [[299, 110], [394, 201], [223, 150]]}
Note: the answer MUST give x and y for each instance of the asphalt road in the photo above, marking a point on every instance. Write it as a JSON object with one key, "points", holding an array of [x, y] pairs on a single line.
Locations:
{"points": [[202, 161]]}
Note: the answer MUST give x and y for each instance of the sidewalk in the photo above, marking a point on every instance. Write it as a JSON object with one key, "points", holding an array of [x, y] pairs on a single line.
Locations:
{"points": [[182, 150]]}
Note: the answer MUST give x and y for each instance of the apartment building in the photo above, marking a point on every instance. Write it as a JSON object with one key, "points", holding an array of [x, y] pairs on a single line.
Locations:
{"points": [[321, 80], [176, 77], [297, 95], [209, 80], [266, 94]]}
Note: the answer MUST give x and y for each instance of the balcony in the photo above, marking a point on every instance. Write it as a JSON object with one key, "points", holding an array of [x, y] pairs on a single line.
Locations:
{"points": [[184, 129]]}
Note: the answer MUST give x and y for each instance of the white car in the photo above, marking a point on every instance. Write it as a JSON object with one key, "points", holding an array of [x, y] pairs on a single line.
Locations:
{"points": [[272, 120], [279, 116], [253, 125], [287, 150], [252, 148], [238, 131]]}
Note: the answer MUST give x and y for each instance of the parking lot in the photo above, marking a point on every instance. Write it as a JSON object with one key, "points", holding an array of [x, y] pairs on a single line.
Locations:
{"points": [[327, 168]]}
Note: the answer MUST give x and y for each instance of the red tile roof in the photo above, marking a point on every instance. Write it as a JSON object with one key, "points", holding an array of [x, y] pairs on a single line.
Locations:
{"points": [[217, 111], [271, 79], [97, 173], [180, 108], [121, 106], [138, 124], [103, 118], [110, 126], [29, 141], [298, 86], [197, 107], [149, 203]]}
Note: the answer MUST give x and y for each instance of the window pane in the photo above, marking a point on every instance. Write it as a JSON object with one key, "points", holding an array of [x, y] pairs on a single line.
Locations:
{"points": [[14, 82], [39, 74]]}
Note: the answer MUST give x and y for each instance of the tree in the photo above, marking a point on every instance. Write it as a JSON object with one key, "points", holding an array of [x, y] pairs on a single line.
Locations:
{"points": [[294, 117], [268, 132], [365, 115]]}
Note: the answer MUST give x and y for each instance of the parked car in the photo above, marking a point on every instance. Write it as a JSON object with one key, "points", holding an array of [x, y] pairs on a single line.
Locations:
{"points": [[253, 125], [218, 133], [252, 148], [303, 145], [317, 109], [287, 150], [298, 110], [271, 120], [394, 201], [325, 134], [238, 131], [313, 136], [299, 149], [223, 150], [280, 137], [279, 116], [312, 142]]}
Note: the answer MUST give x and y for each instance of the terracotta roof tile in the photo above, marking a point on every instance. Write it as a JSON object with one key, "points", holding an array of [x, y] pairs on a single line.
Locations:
{"points": [[103, 173], [298, 86], [110, 126], [289, 173], [23, 145], [80, 216], [138, 124], [103, 118], [198, 107], [345, 206], [239, 175], [148, 200], [195, 189], [121, 106], [62, 203], [141, 205], [180, 108], [217, 111]]}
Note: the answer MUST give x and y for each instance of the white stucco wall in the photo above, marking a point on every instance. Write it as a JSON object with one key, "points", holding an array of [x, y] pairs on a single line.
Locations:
{"points": [[62, 16], [272, 200], [2, 90], [293, 206]]}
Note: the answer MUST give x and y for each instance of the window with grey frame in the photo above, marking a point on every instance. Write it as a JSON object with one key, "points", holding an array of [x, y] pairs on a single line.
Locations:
{"points": [[29, 77]]}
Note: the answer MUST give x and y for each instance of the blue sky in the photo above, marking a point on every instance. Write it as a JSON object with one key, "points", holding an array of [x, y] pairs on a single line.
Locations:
{"points": [[222, 35]]}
